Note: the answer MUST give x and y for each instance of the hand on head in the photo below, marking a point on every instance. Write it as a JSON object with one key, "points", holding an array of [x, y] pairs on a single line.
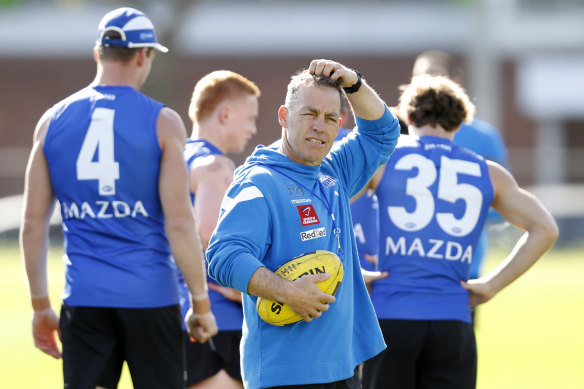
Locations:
{"points": [[333, 70]]}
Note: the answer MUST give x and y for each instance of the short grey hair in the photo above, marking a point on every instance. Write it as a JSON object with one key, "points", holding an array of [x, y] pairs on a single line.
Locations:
{"points": [[304, 78]]}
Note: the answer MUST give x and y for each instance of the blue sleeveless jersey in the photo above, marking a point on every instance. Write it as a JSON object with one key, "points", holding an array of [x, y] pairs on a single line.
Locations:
{"points": [[433, 199], [104, 159], [365, 214], [485, 140], [229, 314]]}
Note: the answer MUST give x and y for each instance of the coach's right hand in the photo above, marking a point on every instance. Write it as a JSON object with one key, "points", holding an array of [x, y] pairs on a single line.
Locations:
{"points": [[306, 299]]}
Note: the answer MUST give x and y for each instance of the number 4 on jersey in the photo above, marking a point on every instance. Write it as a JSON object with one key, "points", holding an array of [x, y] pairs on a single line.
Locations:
{"points": [[100, 138]]}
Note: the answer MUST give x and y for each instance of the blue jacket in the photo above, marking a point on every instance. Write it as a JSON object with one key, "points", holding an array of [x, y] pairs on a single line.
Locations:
{"points": [[365, 214], [275, 210]]}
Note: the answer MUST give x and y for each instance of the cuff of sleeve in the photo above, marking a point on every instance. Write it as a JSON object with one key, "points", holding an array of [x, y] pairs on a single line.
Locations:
{"points": [[385, 120], [246, 266]]}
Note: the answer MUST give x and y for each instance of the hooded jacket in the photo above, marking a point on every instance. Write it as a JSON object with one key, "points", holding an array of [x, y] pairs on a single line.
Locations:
{"points": [[275, 210]]}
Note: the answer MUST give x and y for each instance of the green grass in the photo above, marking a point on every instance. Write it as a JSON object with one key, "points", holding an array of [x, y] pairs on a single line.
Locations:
{"points": [[530, 336], [23, 365]]}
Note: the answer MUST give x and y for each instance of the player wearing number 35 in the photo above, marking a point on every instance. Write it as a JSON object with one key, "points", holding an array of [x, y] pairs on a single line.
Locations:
{"points": [[433, 200], [113, 159]]}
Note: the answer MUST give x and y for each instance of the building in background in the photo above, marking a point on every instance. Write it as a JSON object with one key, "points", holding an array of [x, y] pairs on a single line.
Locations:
{"points": [[523, 61]]}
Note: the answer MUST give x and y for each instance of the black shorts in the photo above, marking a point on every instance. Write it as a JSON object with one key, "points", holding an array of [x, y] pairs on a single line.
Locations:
{"points": [[349, 383], [220, 352], [437, 354], [96, 342]]}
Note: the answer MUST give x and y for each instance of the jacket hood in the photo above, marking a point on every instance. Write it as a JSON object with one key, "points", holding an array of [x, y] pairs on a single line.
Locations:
{"points": [[273, 159]]}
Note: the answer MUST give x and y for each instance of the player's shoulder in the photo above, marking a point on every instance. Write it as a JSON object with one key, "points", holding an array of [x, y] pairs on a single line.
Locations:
{"points": [[214, 165], [466, 153], [484, 126], [42, 126], [59, 109], [477, 131], [170, 124], [169, 115], [406, 140]]}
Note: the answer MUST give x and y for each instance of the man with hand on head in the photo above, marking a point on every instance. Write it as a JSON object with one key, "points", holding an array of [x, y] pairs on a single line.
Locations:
{"points": [[223, 109], [113, 158], [261, 227]]}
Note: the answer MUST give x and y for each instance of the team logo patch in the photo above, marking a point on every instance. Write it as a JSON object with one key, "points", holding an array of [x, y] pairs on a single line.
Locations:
{"points": [[313, 234], [294, 190], [307, 214], [327, 181]]}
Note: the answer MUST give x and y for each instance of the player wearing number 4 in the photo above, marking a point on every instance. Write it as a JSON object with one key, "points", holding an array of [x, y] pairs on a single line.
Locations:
{"points": [[113, 158], [433, 198]]}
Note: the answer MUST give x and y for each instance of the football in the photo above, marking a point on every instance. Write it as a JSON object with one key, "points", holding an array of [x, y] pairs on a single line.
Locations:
{"points": [[315, 262]]}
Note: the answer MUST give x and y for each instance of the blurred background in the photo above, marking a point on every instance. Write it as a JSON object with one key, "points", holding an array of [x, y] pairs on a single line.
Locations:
{"points": [[523, 63]]}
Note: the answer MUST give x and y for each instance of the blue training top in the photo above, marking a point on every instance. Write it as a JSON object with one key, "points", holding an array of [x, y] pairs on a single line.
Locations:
{"points": [[104, 159], [229, 314], [275, 210], [365, 214], [433, 197], [485, 140]]}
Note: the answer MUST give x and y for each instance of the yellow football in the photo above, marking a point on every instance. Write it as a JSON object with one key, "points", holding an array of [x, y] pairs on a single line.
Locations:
{"points": [[315, 262]]}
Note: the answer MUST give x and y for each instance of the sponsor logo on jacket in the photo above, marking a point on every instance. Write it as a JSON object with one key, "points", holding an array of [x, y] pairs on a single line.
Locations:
{"points": [[307, 214], [313, 234]]}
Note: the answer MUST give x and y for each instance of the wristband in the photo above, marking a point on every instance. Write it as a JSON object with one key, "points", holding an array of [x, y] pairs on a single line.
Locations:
{"points": [[200, 296], [40, 303], [355, 87], [196, 316]]}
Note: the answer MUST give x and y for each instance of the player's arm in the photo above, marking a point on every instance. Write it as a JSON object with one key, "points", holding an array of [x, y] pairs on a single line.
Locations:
{"points": [[209, 179], [39, 202], [372, 184], [180, 222], [525, 211]]}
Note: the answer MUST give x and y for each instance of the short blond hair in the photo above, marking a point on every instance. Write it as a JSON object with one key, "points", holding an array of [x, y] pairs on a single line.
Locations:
{"points": [[216, 87]]}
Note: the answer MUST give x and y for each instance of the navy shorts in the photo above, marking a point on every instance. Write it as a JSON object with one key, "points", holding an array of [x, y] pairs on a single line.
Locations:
{"points": [[220, 352], [420, 354], [96, 342]]}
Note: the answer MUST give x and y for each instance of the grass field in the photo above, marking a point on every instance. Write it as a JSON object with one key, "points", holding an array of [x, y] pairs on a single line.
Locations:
{"points": [[530, 336]]}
